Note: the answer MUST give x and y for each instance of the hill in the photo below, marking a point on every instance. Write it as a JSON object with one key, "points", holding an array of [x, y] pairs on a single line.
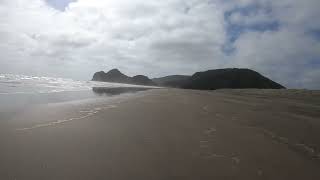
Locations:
{"points": [[171, 81], [115, 75], [231, 79]]}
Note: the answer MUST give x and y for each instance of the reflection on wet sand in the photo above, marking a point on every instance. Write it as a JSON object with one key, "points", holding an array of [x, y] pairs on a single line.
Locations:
{"points": [[118, 90]]}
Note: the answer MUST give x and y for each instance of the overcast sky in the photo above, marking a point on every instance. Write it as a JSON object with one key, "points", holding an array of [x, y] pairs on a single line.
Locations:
{"points": [[73, 39]]}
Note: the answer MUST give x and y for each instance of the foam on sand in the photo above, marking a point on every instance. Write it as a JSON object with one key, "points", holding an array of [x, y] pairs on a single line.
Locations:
{"points": [[88, 113]]}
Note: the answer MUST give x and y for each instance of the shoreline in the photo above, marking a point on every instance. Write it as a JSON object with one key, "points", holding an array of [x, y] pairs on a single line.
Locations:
{"points": [[58, 112]]}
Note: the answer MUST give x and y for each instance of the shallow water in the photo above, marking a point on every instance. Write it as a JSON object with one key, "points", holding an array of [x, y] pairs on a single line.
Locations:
{"points": [[18, 91]]}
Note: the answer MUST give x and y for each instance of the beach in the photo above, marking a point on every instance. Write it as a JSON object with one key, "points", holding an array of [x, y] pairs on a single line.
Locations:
{"points": [[166, 134]]}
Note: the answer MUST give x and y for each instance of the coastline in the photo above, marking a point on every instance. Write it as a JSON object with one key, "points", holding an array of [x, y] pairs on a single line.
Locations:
{"points": [[167, 134]]}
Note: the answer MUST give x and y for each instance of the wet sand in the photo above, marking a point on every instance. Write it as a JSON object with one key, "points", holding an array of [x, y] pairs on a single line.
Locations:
{"points": [[167, 134]]}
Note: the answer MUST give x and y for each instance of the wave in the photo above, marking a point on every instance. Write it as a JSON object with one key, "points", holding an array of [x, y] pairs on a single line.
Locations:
{"points": [[23, 84]]}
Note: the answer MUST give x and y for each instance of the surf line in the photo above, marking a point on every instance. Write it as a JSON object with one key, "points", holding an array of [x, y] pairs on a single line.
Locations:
{"points": [[54, 123]]}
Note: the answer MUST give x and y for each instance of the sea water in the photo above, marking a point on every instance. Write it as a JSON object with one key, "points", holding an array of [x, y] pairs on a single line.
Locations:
{"points": [[22, 90]]}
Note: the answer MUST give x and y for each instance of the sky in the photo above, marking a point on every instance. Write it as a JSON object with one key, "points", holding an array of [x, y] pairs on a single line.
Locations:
{"points": [[75, 38]]}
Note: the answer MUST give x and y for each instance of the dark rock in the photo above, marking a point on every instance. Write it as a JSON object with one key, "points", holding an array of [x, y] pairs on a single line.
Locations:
{"points": [[172, 81], [113, 75], [208, 80], [116, 76], [230, 78], [142, 80]]}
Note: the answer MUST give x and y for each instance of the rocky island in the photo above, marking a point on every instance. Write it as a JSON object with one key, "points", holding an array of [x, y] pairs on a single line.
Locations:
{"points": [[230, 78], [116, 76]]}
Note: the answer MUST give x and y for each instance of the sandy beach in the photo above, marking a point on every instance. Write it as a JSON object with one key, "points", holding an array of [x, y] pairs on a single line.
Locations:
{"points": [[166, 134]]}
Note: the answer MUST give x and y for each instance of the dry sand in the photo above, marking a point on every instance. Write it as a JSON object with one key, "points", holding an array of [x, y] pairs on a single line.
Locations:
{"points": [[167, 134]]}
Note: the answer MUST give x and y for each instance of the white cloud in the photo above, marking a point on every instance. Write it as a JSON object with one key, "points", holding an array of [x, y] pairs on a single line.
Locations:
{"points": [[288, 54], [284, 55], [253, 18], [158, 37]]}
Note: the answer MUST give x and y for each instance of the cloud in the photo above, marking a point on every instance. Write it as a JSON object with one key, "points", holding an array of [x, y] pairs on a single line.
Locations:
{"points": [[284, 54], [59, 4], [276, 40], [76, 38]]}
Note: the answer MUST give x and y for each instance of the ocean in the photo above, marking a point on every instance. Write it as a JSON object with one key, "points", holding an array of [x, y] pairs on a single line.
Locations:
{"points": [[21, 90]]}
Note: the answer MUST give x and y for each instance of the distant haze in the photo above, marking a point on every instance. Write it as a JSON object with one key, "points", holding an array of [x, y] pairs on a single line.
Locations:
{"points": [[73, 39]]}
